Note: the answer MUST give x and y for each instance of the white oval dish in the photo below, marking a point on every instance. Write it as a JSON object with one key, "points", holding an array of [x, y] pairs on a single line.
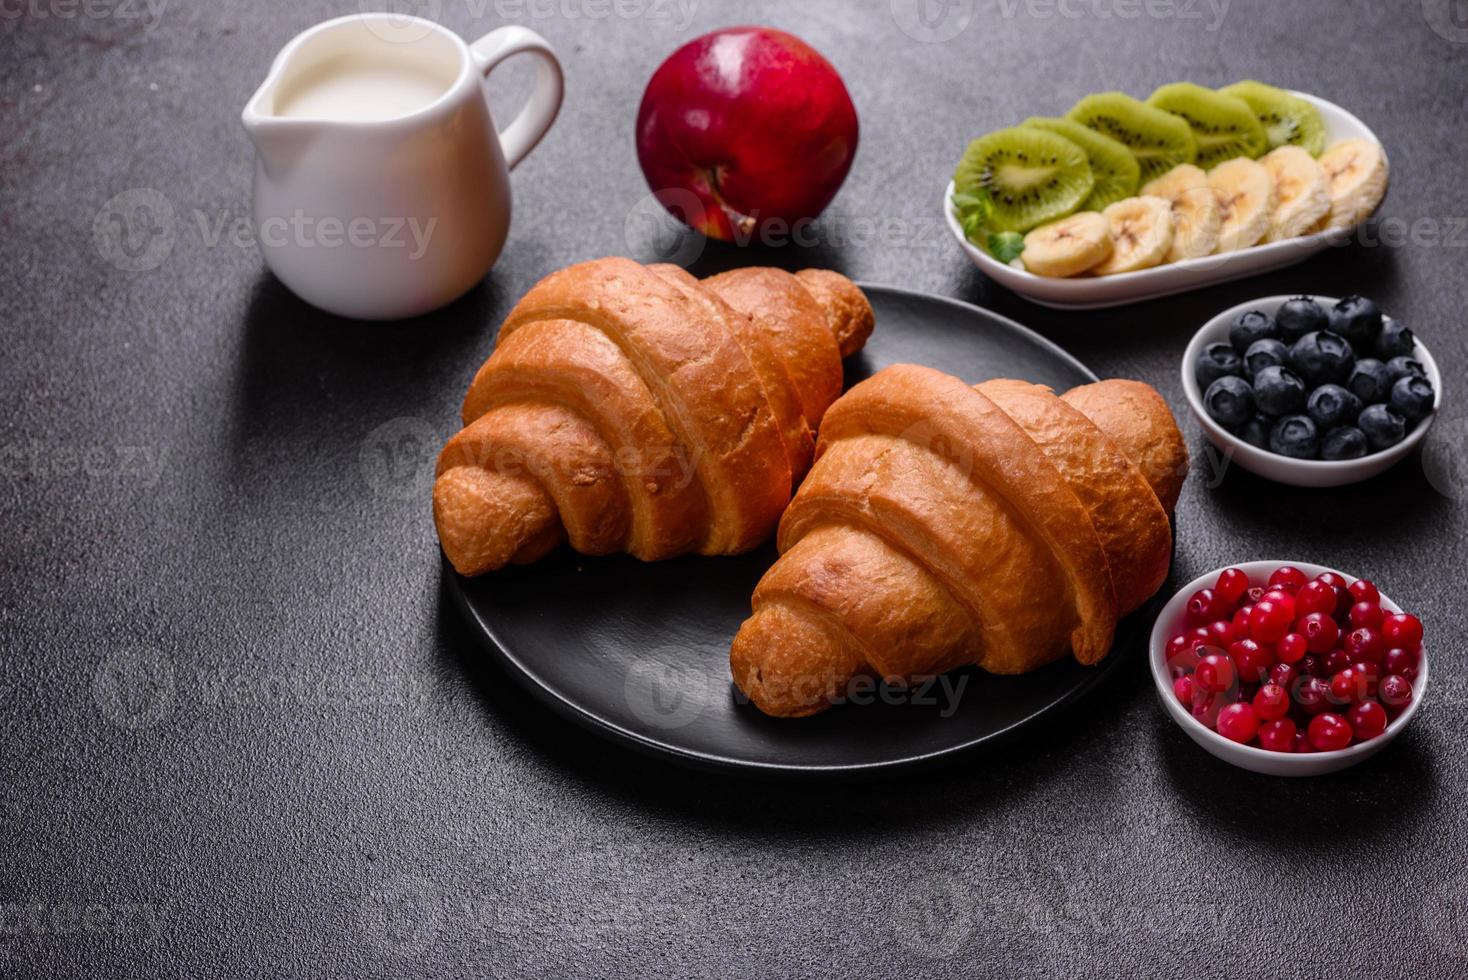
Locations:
{"points": [[1171, 621], [1284, 469], [1096, 292]]}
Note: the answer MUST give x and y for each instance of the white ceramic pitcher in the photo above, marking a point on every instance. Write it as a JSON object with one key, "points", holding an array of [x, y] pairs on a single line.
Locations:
{"points": [[381, 185]]}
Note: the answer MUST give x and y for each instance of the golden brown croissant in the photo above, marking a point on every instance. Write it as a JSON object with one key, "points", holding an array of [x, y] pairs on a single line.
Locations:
{"points": [[634, 408], [944, 525]]}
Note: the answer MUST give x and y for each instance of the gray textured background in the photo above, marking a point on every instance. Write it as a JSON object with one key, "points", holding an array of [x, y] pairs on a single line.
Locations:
{"points": [[243, 733]]}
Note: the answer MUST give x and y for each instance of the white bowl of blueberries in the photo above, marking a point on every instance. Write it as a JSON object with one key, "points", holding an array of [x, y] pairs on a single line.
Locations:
{"points": [[1309, 390]]}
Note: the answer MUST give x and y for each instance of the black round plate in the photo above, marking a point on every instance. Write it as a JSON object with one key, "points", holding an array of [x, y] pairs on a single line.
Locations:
{"points": [[640, 651]]}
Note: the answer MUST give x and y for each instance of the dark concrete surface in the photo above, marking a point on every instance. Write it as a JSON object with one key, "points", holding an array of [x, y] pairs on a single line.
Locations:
{"points": [[244, 735]]}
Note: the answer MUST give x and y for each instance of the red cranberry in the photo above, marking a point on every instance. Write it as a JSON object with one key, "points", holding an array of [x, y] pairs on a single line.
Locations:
{"points": [[1363, 591], [1302, 743], [1269, 621], [1365, 644], [1214, 673], [1284, 675], [1400, 661], [1231, 586], [1278, 735], [1320, 632], [1282, 598], [1252, 660], [1315, 597], [1207, 705], [1370, 675], [1368, 720], [1287, 577], [1402, 630], [1313, 695], [1291, 648], [1241, 622], [1221, 633], [1237, 722], [1183, 688], [1335, 661], [1395, 692], [1185, 662], [1311, 664], [1348, 687], [1204, 607], [1271, 703], [1329, 732], [1255, 593], [1367, 614], [1343, 595]]}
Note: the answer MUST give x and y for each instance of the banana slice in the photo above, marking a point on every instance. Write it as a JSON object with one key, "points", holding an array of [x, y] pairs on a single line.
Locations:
{"points": [[1196, 222], [1357, 170], [1069, 246], [1302, 190], [1196, 217], [1176, 182], [1141, 234], [1246, 196]]}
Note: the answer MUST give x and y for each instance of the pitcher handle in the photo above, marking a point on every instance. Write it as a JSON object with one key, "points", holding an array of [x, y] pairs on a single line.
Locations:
{"points": [[520, 136]]}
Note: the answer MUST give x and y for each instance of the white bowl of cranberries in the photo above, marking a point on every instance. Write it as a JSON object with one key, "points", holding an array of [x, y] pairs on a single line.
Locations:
{"points": [[1288, 668]]}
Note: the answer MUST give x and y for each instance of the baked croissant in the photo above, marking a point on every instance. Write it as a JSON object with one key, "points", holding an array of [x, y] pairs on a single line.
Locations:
{"points": [[635, 408], [944, 525]]}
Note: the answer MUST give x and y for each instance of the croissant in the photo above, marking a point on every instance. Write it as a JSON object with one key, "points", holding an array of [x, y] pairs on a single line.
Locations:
{"points": [[944, 525], [636, 408]]}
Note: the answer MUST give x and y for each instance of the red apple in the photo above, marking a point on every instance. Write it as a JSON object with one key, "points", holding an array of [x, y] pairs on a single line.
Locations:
{"points": [[745, 129]]}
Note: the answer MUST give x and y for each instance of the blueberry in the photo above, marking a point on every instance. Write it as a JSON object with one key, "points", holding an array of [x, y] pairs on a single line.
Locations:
{"points": [[1332, 405], [1279, 391], [1295, 436], [1217, 361], [1404, 367], [1299, 316], [1384, 426], [1229, 401], [1347, 442], [1395, 340], [1358, 320], [1322, 357], [1249, 327], [1262, 353], [1256, 432], [1412, 397], [1370, 380]]}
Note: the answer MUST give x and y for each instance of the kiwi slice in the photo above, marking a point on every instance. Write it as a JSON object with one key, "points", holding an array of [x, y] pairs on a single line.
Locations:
{"points": [[1225, 127], [1112, 164], [1159, 140], [1028, 175], [1287, 119]]}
